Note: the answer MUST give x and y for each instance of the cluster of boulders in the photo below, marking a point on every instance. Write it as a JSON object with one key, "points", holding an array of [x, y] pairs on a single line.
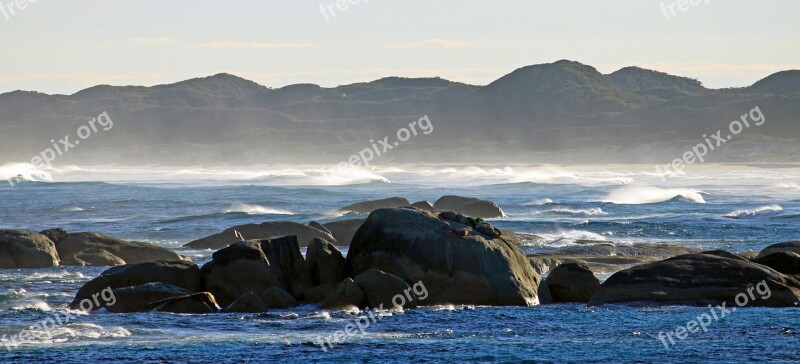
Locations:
{"points": [[457, 259], [463, 205], [27, 249]]}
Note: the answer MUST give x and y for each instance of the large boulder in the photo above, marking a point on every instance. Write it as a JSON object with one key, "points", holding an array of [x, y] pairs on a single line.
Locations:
{"points": [[604, 256], [469, 206], [791, 246], [55, 235], [278, 298], [196, 303], [287, 262], [238, 269], [572, 282], [458, 263], [347, 297], [26, 249], [267, 230], [785, 262], [139, 298], [366, 207], [180, 274], [382, 290], [95, 249], [320, 293], [249, 302], [344, 230], [325, 263], [698, 279], [423, 205]]}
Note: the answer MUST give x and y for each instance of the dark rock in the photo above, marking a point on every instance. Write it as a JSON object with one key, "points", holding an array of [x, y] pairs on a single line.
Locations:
{"points": [[572, 282], [344, 230], [320, 227], [699, 279], [455, 263], [347, 296], [791, 246], [606, 257], [248, 302], [287, 262], [197, 303], [366, 207], [55, 235], [469, 206], [180, 274], [139, 298], [320, 293], [785, 262], [95, 249], [238, 269], [382, 290], [424, 205], [278, 298], [325, 263], [268, 230], [26, 249]]}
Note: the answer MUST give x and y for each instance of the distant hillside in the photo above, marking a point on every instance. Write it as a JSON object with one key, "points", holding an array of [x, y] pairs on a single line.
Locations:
{"points": [[558, 112]]}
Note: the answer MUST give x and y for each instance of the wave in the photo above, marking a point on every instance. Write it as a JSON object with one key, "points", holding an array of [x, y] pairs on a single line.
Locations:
{"points": [[23, 172], [539, 202], [763, 211], [635, 195], [257, 210], [595, 211], [569, 237]]}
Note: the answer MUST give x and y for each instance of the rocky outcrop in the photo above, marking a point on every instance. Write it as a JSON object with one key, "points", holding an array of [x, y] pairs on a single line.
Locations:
{"points": [[268, 230], [288, 264], [457, 263], [55, 235], [424, 205], [278, 298], [180, 274], [699, 279], [606, 257], [197, 303], [469, 206], [319, 293], [380, 290], [325, 263], [320, 227], [344, 230], [95, 249], [26, 249], [572, 282], [366, 207], [139, 298], [791, 246], [238, 269], [248, 302], [347, 297], [785, 262]]}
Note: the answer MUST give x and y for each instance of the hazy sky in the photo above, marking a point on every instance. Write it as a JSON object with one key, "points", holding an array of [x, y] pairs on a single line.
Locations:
{"points": [[62, 46]]}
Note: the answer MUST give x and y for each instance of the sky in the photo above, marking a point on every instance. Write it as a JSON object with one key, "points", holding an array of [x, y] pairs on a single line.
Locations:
{"points": [[63, 46]]}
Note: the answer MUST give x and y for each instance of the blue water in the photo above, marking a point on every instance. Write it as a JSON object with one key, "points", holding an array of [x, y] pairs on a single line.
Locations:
{"points": [[619, 204]]}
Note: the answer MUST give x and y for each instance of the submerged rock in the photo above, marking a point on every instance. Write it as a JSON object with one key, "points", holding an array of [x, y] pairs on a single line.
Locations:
{"points": [[572, 282], [469, 206], [268, 230], [95, 249], [699, 279], [366, 207], [26, 249], [456, 263]]}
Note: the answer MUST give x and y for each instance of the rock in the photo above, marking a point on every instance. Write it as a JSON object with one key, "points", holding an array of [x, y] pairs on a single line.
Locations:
{"points": [[347, 296], [699, 279], [344, 230], [545, 298], [455, 263], [725, 254], [319, 293], [55, 235], [268, 230], [92, 249], [785, 262], [180, 274], [325, 263], [287, 262], [26, 249], [139, 298], [792, 246], [320, 227], [572, 282], [248, 302], [469, 206], [197, 303], [366, 207], [424, 205], [278, 298], [382, 290], [606, 257], [240, 268]]}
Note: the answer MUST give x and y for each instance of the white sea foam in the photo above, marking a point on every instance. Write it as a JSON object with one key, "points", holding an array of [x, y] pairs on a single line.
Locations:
{"points": [[767, 210], [634, 195], [257, 210]]}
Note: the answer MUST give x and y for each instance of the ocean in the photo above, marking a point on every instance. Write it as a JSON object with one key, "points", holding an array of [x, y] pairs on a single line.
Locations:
{"points": [[732, 207]]}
